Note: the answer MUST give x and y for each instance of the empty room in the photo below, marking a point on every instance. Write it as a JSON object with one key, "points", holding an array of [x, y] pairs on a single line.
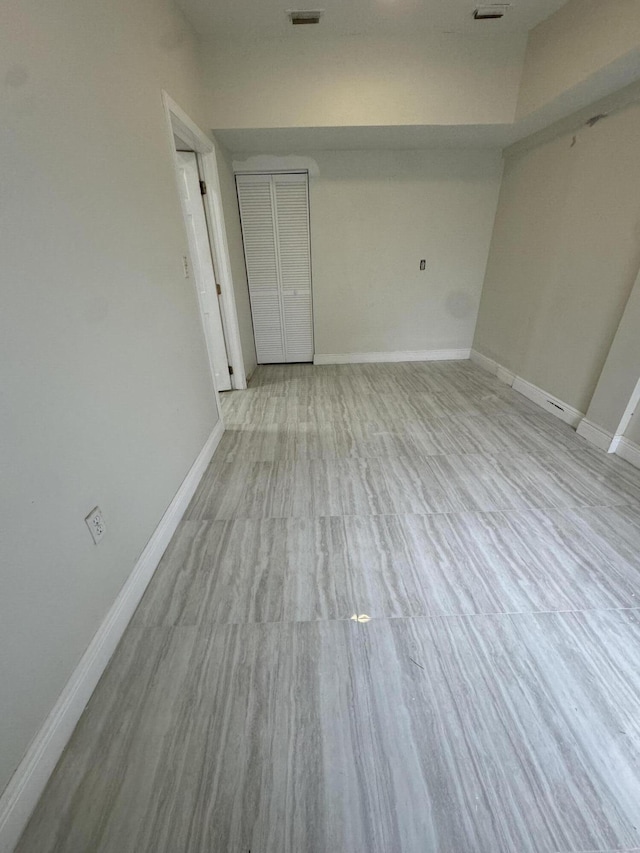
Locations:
{"points": [[320, 426]]}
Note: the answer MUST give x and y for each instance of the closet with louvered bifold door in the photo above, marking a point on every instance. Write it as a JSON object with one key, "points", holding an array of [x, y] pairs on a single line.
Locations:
{"points": [[274, 212]]}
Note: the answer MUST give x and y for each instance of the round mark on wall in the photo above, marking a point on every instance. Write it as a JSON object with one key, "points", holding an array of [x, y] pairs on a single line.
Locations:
{"points": [[460, 304]]}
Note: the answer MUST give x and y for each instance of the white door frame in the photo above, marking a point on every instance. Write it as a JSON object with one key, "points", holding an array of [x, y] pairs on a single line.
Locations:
{"points": [[179, 124], [202, 264], [632, 405]]}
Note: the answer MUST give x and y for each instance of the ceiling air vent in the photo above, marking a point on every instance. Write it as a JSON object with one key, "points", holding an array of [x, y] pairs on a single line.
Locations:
{"points": [[298, 18], [491, 12]]}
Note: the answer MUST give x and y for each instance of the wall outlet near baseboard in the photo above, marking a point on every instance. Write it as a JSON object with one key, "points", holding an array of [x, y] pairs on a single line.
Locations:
{"points": [[96, 525]]}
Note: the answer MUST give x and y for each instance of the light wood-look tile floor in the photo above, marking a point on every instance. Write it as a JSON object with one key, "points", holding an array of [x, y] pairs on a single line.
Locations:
{"points": [[492, 701]]}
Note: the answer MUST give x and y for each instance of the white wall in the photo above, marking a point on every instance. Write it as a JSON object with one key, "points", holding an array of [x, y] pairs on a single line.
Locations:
{"points": [[374, 215], [578, 41], [564, 256], [106, 392], [507, 85], [480, 88], [311, 80], [236, 257]]}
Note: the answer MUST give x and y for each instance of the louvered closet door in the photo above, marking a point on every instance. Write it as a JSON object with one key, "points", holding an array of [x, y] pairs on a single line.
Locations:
{"points": [[274, 210], [258, 234], [292, 222]]}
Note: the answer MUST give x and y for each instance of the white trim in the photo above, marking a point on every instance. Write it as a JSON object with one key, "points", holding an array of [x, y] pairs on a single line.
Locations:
{"points": [[484, 361], [537, 395], [504, 375], [27, 783], [628, 450], [632, 405], [615, 443], [595, 435], [215, 219], [179, 123], [202, 269], [548, 402], [408, 355]]}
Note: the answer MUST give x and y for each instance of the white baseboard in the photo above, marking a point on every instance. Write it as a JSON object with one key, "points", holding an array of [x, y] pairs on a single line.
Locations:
{"points": [[615, 443], [484, 361], [546, 401], [504, 375], [596, 435], [27, 783], [377, 357], [628, 450]]}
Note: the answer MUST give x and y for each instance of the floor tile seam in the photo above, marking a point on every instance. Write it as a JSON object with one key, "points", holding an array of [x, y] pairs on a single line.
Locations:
{"points": [[206, 626], [511, 614], [486, 454], [391, 423], [248, 425], [601, 850], [323, 398], [547, 456], [463, 512]]}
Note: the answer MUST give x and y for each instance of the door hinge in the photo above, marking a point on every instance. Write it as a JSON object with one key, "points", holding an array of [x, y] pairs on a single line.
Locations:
{"points": [[203, 188], [230, 370], [218, 289]]}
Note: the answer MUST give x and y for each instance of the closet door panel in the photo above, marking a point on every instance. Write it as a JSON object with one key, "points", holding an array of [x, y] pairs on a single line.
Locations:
{"points": [[261, 257], [267, 327], [298, 323], [274, 210], [292, 226]]}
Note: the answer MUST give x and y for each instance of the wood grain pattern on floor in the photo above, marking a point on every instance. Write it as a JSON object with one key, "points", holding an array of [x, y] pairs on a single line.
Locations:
{"points": [[491, 702]]}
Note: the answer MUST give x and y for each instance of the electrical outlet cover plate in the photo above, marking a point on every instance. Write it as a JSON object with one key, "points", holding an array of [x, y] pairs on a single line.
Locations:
{"points": [[96, 525]]}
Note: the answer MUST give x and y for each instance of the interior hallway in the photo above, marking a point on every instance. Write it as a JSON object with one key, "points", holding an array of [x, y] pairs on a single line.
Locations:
{"points": [[490, 702]]}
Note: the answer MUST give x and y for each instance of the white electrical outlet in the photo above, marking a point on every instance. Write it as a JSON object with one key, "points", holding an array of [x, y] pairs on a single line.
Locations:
{"points": [[96, 525], [185, 266]]}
